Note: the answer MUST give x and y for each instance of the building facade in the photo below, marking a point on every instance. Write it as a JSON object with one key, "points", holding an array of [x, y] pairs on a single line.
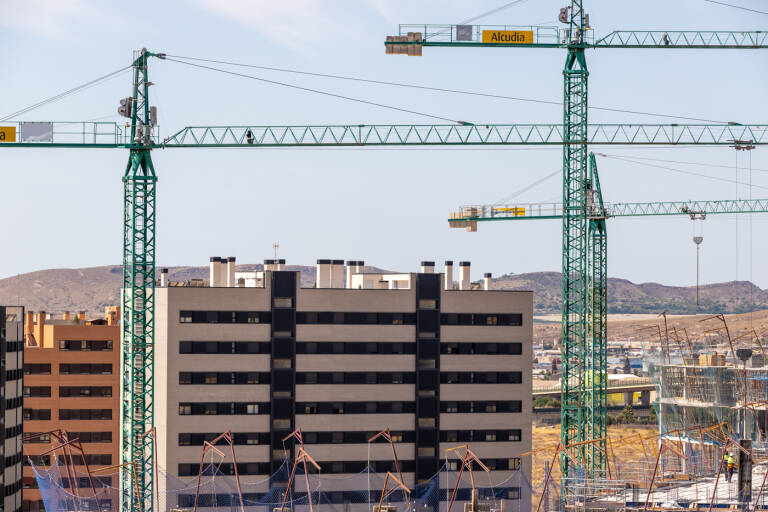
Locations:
{"points": [[12, 361], [255, 354], [72, 384]]}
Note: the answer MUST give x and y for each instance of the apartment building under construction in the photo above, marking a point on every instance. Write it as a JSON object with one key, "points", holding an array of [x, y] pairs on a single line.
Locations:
{"points": [[439, 363], [72, 385]]}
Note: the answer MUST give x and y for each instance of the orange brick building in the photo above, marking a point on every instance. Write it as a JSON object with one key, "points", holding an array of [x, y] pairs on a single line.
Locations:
{"points": [[72, 383]]}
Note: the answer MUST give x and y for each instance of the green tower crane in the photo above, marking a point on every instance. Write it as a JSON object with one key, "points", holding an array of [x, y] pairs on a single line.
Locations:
{"points": [[596, 211], [584, 344], [139, 201]]}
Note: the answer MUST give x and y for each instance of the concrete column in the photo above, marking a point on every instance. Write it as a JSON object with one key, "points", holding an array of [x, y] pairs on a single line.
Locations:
{"points": [[449, 275], [628, 397], [163, 279], [464, 275], [323, 278], [487, 281], [231, 272], [645, 398], [427, 267]]}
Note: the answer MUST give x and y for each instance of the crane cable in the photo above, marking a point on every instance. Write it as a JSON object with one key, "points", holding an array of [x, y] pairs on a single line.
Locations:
{"points": [[318, 91], [439, 89], [64, 94], [736, 6], [681, 171]]}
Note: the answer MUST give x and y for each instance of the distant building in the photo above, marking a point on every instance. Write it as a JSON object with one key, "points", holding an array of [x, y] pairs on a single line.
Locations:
{"points": [[11, 363], [256, 354], [72, 383]]}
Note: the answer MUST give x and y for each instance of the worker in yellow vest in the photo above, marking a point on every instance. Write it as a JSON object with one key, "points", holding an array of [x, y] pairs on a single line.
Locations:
{"points": [[730, 464]]}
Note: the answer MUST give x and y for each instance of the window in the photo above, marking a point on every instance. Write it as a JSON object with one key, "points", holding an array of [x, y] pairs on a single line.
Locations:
{"points": [[222, 408], [370, 378], [85, 345], [451, 407], [397, 407], [338, 408], [490, 407], [281, 424], [490, 435], [426, 422], [85, 391], [337, 437], [428, 364], [354, 318], [223, 347], [282, 363], [427, 304], [310, 348], [36, 438], [337, 378], [515, 435], [91, 437], [185, 378], [514, 464], [37, 414], [452, 436], [37, 369], [37, 391], [310, 408], [225, 317], [397, 378], [85, 414], [85, 369], [282, 302], [492, 319], [310, 378], [426, 451]]}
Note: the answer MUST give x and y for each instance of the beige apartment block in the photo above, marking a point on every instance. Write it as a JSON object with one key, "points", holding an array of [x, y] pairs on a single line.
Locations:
{"points": [[440, 364]]}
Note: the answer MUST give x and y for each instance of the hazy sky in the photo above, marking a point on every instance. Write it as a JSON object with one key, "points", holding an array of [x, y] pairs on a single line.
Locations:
{"points": [[62, 208]]}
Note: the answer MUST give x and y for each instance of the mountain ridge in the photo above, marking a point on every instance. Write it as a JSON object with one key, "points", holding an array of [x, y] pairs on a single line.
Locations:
{"points": [[92, 288]]}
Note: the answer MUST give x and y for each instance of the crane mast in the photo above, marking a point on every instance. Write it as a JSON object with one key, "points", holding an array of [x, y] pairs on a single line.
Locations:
{"points": [[138, 324]]}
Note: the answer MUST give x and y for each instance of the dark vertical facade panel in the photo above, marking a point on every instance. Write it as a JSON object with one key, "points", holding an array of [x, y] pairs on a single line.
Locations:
{"points": [[427, 374], [282, 390]]}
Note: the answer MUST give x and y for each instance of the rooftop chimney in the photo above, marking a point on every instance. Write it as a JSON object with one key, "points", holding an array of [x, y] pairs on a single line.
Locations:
{"points": [[427, 267], [351, 266], [280, 264], [464, 275], [449, 275], [40, 328], [487, 281], [337, 274], [213, 273], [112, 315], [231, 272], [270, 265], [359, 267], [323, 278], [29, 325], [163, 277]]}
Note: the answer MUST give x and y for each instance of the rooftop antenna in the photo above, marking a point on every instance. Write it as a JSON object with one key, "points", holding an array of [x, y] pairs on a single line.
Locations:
{"points": [[275, 247]]}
